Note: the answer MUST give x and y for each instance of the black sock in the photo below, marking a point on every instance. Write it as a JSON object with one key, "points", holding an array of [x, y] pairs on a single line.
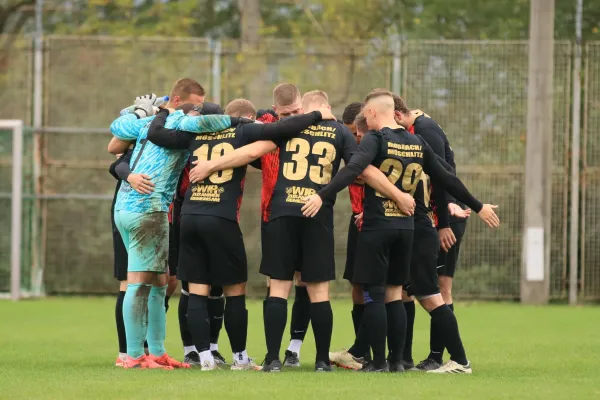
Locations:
{"points": [[361, 343], [216, 307], [321, 316], [167, 303], [236, 322], [445, 320], [396, 319], [375, 319], [436, 341], [300, 314], [120, 324], [410, 326], [357, 314], [198, 321], [265, 300], [275, 319], [451, 305], [186, 336]]}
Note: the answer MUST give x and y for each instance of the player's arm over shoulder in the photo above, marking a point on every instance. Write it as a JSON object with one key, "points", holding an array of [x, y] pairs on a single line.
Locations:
{"points": [[168, 138]]}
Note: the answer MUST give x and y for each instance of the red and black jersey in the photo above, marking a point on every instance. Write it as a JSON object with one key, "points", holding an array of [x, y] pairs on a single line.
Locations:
{"points": [[270, 167], [357, 194], [307, 163], [182, 186]]}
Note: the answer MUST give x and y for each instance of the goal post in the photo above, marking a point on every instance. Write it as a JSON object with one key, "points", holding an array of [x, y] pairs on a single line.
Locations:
{"points": [[16, 196]]}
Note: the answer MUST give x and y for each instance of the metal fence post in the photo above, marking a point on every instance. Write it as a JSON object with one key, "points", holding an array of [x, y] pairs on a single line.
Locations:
{"points": [[16, 209], [397, 66], [216, 72], [38, 60], [575, 151]]}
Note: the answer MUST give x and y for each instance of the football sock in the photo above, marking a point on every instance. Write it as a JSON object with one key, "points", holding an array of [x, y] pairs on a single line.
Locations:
{"points": [[436, 341], [167, 303], [375, 319], [157, 320], [198, 322], [135, 316], [410, 325], [186, 336], [206, 356], [189, 349], [236, 322], [295, 346], [275, 319], [216, 306], [396, 318], [446, 321], [120, 323], [357, 314], [321, 316], [451, 305], [265, 300], [300, 314], [242, 356], [361, 343]]}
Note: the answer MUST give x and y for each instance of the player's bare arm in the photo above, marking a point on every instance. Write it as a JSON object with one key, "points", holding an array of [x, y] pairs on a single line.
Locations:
{"points": [[377, 180]]}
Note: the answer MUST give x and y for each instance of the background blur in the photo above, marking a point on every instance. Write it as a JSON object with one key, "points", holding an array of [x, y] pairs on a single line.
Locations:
{"points": [[465, 62]]}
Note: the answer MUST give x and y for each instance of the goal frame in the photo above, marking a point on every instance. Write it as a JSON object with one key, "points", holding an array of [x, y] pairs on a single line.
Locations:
{"points": [[16, 126]]}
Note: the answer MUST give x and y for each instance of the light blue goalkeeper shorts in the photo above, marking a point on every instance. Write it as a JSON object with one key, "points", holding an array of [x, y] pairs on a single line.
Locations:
{"points": [[146, 238]]}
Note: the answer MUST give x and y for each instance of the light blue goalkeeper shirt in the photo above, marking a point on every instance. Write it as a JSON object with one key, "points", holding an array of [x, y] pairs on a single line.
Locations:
{"points": [[164, 166]]}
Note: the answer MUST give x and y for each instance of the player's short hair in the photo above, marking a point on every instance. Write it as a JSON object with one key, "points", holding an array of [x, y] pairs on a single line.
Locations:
{"points": [[351, 112], [400, 104], [285, 94], [211, 109], [373, 94], [240, 108], [185, 87], [315, 96], [361, 123]]}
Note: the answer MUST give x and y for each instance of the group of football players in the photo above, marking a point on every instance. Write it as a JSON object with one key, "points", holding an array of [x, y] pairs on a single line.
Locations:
{"points": [[181, 164]]}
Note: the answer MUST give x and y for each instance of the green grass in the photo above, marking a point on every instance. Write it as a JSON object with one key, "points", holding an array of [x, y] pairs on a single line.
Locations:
{"points": [[64, 348]]}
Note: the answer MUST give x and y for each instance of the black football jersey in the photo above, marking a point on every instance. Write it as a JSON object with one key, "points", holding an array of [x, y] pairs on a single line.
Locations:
{"points": [[307, 163]]}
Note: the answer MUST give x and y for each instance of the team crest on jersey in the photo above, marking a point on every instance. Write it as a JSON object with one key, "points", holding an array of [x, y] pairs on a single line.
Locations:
{"points": [[296, 194]]}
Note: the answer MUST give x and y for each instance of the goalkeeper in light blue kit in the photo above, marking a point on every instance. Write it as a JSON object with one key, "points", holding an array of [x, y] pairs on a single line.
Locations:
{"points": [[143, 223]]}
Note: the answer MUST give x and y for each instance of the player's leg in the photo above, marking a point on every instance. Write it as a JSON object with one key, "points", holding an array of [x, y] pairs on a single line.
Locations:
{"points": [[135, 302], [371, 270], [190, 353], [318, 269], [446, 273], [193, 269], [281, 251], [409, 307], [443, 321], [299, 322], [216, 308], [398, 273], [120, 274]]}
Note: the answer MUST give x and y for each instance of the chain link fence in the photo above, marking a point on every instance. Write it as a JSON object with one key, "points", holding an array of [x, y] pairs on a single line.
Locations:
{"points": [[590, 215], [475, 90]]}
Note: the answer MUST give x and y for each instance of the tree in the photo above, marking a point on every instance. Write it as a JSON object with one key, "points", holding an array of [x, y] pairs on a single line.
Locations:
{"points": [[13, 17]]}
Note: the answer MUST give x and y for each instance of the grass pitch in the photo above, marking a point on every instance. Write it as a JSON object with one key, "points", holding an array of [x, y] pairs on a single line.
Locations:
{"points": [[64, 348]]}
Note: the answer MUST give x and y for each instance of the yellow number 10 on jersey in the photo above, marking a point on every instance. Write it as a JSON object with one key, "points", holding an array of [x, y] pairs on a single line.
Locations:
{"points": [[217, 151]]}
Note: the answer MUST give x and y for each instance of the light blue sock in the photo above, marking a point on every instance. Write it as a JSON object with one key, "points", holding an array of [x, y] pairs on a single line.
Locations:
{"points": [[157, 321], [135, 316]]}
